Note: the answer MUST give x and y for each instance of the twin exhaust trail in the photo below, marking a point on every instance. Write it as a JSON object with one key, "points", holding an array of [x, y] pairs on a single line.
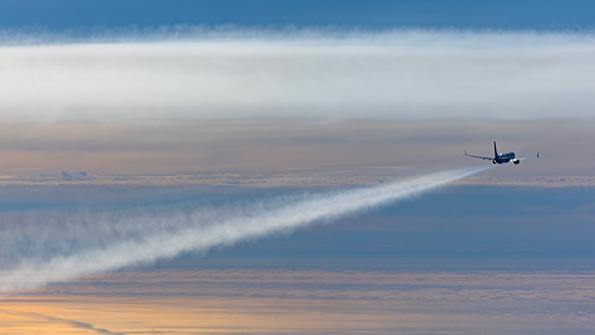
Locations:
{"points": [[200, 233]]}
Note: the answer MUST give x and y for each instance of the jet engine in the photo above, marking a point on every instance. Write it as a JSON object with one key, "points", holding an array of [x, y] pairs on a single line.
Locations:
{"points": [[516, 161]]}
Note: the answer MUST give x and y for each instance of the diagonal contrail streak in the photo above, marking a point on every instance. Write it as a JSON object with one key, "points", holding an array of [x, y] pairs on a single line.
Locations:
{"points": [[242, 224], [73, 323]]}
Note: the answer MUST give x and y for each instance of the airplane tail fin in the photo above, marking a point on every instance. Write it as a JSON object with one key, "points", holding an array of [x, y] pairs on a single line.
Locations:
{"points": [[495, 150]]}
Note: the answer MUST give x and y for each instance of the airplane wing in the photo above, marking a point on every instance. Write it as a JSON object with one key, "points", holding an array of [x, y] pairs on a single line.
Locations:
{"points": [[480, 157]]}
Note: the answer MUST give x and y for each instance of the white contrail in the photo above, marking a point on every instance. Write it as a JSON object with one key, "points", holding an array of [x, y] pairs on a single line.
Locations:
{"points": [[238, 225]]}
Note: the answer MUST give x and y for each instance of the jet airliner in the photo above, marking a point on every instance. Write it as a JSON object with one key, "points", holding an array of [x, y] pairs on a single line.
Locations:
{"points": [[499, 158]]}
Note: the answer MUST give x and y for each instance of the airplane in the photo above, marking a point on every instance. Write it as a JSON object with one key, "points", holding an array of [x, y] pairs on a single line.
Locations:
{"points": [[499, 158]]}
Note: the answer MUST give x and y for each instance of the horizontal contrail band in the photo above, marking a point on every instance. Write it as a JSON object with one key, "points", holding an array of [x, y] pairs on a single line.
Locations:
{"points": [[398, 74], [196, 236]]}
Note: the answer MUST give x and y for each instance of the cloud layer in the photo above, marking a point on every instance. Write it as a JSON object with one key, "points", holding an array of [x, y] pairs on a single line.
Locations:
{"points": [[307, 301], [400, 74]]}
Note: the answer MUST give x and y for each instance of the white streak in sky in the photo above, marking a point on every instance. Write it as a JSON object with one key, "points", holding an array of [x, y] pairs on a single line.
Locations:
{"points": [[400, 74], [198, 231]]}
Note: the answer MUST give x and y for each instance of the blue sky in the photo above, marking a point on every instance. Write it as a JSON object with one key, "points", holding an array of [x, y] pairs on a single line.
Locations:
{"points": [[456, 228], [505, 14]]}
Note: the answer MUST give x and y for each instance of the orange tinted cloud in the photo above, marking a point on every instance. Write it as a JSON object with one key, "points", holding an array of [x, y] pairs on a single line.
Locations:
{"points": [[263, 147], [297, 302]]}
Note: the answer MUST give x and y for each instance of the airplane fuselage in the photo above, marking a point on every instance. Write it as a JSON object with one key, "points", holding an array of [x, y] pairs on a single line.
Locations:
{"points": [[504, 158]]}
